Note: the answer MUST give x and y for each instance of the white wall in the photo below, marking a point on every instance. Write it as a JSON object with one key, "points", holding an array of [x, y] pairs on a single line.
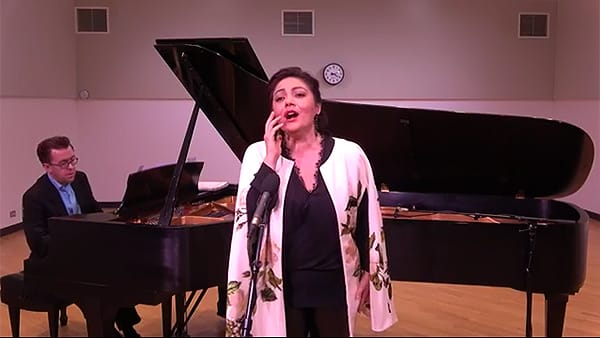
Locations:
{"points": [[145, 133], [37, 61], [2, 31], [449, 54], [38, 49], [425, 49], [151, 132], [23, 124], [584, 114], [577, 56]]}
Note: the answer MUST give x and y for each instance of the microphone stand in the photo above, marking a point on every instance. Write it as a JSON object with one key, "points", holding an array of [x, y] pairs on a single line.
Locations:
{"points": [[254, 268]]}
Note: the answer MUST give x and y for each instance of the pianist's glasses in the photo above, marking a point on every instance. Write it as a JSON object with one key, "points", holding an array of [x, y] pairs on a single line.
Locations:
{"points": [[64, 164]]}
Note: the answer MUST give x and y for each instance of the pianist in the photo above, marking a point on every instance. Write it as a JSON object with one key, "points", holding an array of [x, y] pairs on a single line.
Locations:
{"points": [[317, 267], [62, 191]]}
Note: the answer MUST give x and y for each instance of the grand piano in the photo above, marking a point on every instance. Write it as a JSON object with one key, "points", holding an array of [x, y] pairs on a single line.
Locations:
{"points": [[467, 198], [104, 261]]}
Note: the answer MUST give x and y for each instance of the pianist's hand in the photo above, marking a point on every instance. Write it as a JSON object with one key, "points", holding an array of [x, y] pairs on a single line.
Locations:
{"points": [[273, 139]]}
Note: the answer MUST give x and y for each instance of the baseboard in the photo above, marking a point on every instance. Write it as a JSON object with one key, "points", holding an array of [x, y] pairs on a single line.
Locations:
{"points": [[593, 215], [11, 228]]}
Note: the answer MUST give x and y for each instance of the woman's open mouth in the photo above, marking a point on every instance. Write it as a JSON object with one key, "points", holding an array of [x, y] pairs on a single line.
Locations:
{"points": [[290, 115]]}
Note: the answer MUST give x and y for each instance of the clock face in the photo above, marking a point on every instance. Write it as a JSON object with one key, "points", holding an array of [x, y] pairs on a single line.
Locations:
{"points": [[333, 73]]}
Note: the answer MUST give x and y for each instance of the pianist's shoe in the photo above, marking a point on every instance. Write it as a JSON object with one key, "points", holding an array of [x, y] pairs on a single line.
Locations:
{"points": [[130, 332]]}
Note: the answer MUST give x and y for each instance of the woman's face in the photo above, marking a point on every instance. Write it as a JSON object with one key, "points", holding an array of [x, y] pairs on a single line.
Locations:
{"points": [[295, 103]]}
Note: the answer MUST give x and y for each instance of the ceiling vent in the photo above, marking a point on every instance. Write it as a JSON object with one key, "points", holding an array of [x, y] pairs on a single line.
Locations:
{"points": [[91, 19], [534, 25], [298, 23]]}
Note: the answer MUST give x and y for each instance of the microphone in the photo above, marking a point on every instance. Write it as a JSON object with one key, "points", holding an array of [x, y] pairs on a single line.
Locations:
{"points": [[263, 203], [266, 201], [256, 229]]}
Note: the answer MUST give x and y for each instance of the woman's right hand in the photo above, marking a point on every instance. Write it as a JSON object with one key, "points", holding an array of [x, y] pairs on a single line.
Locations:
{"points": [[273, 139]]}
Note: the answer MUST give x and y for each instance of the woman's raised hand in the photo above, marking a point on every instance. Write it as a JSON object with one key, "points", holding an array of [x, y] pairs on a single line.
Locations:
{"points": [[273, 139]]}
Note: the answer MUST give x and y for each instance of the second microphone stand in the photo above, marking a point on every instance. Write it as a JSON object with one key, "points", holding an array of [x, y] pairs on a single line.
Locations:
{"points": [[256, 240]]}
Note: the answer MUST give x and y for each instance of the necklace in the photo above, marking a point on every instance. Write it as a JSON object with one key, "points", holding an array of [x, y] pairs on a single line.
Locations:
{"points": [[286, 153]]}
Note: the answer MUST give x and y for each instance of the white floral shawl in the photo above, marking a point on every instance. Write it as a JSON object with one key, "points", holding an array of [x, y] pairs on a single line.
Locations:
{"points": [[348, 176]]}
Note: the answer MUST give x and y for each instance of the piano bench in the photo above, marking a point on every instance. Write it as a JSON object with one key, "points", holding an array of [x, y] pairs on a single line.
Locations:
{"points": [[12, 293]]}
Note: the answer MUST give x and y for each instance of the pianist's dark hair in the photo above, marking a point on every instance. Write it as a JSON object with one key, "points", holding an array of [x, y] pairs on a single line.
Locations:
{"points": [[55, 142], [321, 121]]}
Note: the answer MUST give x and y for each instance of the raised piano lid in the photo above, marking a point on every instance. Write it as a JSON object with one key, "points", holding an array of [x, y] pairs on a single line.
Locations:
{"points": [[411, 150], [146, 190]]}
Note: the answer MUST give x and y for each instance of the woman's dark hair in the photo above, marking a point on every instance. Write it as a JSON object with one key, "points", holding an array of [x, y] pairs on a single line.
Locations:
{"points": [[45, 147], [311, 83]]}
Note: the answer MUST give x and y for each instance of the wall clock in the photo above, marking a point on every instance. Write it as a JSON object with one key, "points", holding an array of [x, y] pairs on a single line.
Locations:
{"points": [[333, 73]]}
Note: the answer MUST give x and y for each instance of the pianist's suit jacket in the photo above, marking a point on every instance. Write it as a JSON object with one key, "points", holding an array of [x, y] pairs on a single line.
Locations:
{"points": [[42, 201]]}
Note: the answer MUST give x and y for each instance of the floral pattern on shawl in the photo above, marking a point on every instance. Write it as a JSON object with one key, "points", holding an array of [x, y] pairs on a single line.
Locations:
{"points": [[349, 229], [348, 177], [266, 280], [379, 273], [378, 269]]}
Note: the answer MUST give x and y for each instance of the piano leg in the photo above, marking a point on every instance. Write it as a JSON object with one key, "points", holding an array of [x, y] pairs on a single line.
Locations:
{"points": [[166, 308], [99, 317], [180, 315], [182, 305], [556, 305]]}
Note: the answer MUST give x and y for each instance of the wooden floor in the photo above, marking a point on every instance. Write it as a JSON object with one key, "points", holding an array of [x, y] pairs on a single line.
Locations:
{"points": [[423, 309]]}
